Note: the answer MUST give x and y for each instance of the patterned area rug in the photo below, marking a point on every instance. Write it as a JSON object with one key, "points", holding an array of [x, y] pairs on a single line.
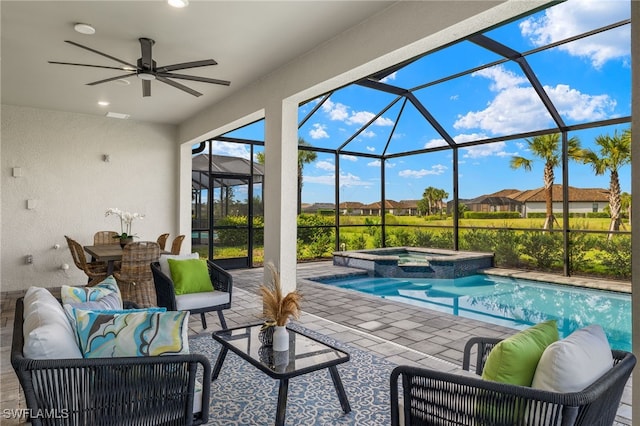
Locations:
{"points": [[244, 396]]}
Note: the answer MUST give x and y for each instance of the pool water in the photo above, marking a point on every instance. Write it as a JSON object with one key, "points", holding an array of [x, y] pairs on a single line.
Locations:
{"points": [[509, 302]]}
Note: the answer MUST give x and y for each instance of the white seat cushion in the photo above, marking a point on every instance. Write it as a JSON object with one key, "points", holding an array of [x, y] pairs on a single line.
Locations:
{"points": [[185, 302]]}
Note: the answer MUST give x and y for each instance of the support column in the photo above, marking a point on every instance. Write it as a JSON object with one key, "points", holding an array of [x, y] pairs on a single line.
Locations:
{"points": [[280, 190], [635, 207]]}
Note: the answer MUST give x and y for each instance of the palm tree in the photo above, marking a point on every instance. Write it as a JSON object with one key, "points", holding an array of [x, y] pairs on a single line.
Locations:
{"points": [[432, 197], [304, 157], [548, 148], [615, 152]]}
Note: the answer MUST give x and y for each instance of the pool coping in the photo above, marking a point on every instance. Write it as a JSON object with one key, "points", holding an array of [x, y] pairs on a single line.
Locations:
{"points": [[583, 282]]}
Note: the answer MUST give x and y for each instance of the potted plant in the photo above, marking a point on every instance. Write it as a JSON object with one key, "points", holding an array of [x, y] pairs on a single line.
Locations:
{"points": [[278, 308], [126, 219]]}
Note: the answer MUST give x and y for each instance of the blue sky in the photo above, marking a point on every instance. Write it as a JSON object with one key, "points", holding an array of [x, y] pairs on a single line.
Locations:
{"points": [[588, 80]]}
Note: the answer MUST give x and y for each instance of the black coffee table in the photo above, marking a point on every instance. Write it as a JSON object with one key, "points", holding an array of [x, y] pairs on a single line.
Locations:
{"points": [[305, 355]]}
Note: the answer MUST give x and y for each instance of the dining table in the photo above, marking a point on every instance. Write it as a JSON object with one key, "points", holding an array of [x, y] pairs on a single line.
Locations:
{"points": [[108, 253]]}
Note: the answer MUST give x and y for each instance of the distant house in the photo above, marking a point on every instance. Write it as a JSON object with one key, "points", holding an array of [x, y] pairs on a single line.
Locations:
{"points": [[316, 207], [581, 200], [390, 206], [351, 208]]}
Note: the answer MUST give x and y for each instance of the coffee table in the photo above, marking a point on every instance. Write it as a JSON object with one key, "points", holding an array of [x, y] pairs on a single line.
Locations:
{"points": [[305, 355]]}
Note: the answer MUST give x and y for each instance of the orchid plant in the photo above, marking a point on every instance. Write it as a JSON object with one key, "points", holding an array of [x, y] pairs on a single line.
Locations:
{"points": [[126, 220]]}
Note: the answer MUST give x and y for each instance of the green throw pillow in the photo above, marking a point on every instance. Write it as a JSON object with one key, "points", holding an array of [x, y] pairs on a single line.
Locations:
{"points": [[514, 360], [190, 276]]}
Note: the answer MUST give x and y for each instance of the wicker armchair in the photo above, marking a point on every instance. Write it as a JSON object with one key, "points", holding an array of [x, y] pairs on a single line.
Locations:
{"points": [[96, 271], [134, 277], [432, 397], [177, 244], [162, 240], [105, 237], [157, 390], [197, 303]]}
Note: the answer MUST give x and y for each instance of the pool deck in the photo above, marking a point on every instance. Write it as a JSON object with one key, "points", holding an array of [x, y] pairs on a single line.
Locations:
{"points": [[400, 333]]}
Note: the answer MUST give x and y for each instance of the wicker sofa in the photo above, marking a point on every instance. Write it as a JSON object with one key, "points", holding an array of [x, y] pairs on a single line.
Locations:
{"points": [[429, 397], [153, 390]]}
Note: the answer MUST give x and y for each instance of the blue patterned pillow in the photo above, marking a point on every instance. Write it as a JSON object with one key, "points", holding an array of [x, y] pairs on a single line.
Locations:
{"points": [[140, 333], [75, 295]]}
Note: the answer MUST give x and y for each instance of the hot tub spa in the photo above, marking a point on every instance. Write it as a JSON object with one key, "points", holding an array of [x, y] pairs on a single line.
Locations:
{"points": [[415, 262]]}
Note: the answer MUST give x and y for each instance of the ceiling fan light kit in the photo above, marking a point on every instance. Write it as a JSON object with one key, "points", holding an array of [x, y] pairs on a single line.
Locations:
{"points": [[146, 69], [178, 3]]}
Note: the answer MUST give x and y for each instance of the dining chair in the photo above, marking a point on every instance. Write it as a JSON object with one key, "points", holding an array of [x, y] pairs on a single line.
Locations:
{"points": [[177, 244], [96, 271], [134, 277], [162, 240], [105, 237]]}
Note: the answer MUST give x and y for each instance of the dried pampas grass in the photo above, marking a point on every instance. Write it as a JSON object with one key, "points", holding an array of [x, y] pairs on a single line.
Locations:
{"points": [[276, 307]]}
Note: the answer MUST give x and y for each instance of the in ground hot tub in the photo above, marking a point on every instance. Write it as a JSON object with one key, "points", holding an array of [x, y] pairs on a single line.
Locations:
{"points": [[415, 262]]}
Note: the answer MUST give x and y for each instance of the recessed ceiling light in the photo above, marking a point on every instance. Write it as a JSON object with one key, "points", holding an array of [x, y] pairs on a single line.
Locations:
{"points": [[117, 115], [84, 29], [178, 3], [103, 103]]}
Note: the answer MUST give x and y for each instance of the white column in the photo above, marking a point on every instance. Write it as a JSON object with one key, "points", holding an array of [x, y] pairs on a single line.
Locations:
{"points": [[280, 190]]}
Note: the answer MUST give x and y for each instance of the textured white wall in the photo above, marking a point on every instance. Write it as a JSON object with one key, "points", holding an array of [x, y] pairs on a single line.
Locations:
{"points": [[61, 157]]}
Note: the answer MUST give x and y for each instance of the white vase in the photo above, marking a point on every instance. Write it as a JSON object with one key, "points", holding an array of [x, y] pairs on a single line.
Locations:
{"points": [[281, 338]]}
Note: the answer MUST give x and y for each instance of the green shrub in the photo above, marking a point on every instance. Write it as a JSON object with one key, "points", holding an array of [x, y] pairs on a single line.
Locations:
{"points": [[506, 247], [617, 256], [311, 225], [545, 248]]}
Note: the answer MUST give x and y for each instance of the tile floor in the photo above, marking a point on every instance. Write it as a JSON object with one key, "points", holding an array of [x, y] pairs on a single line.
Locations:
{"points": [[400, 333]]}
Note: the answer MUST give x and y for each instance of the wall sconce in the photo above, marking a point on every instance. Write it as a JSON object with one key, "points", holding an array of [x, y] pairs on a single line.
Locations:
{"points": [[106, 158]]}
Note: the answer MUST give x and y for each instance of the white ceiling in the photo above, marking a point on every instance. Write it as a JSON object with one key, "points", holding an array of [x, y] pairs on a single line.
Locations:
{"points": [[247, 39]]}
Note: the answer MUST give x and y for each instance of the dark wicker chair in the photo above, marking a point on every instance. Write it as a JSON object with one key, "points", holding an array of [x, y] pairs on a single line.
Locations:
{"points": [[432, 397], [133, 391], [106, 237], [222, 282]]}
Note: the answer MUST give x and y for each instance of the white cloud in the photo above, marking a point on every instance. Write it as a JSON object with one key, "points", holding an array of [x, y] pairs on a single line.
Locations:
{"points": [[349, 157], [368, 134], [325, 165], [371, 148], [335, 111], [319, 131], [517, 109], [374, 163], [390, 77], [363, 117], [578, 16], [454, 97], [488, 150], [436, 169], [461, 138], [348, 180], [231, 149]]}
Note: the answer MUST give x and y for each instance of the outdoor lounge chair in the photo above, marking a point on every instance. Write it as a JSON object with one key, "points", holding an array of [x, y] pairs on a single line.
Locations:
{"points": [[133, 391], [196, 303], [430, 397]]}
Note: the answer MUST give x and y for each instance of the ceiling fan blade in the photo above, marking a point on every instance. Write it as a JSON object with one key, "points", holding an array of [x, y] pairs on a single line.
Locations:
{"points": [[133, 67], [194, 78], [87, 65], [145, 47], [185, 65], [178, 85], [146, 88], [106, 80]]}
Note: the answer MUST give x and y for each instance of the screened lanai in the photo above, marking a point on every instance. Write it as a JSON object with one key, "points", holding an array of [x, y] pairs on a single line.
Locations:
{"points": [[534, 113]]}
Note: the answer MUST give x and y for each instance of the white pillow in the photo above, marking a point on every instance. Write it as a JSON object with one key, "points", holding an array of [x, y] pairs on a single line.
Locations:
{"points": [[46, 329], [164, 262], [573, 363]]}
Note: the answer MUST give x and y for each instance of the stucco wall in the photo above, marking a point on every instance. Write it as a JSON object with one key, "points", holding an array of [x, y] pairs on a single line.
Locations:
{"points": [[574, 207], [61, 159]]}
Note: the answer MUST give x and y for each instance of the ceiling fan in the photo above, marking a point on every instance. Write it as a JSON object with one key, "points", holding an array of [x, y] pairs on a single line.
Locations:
{"points": [[147, 70]]}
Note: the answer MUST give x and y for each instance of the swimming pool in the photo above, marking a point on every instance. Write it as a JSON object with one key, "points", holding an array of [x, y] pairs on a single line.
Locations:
{"points": [[509, 302]]}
